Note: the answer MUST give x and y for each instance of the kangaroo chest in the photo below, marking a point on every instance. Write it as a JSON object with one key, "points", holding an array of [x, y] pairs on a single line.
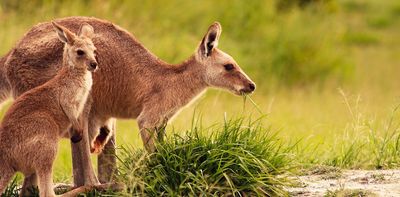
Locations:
{"points": [[80, 93]]}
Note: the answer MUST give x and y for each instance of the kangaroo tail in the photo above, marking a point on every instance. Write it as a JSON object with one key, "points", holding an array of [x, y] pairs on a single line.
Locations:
{"points": [[75, 192], [117, 187], [5, 87]]}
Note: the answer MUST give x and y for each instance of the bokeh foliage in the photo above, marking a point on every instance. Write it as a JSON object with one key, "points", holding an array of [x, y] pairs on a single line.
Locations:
{"points": [[281, 40]]}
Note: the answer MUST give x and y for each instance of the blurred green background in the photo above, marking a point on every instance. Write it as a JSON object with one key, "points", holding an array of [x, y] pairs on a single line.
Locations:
{"points": [[321, 66]]}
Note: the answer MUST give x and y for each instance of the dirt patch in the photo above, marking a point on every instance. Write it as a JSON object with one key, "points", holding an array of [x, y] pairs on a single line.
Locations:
{"points": [[378, 182]]}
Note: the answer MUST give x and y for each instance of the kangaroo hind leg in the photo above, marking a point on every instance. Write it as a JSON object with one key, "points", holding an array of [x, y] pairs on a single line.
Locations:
{"points": [[6, 174], [46, 183]]}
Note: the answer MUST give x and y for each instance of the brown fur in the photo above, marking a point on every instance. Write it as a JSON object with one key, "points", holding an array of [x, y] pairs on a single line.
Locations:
{"points": [[5, 88], [34, 123], [132, 82]]}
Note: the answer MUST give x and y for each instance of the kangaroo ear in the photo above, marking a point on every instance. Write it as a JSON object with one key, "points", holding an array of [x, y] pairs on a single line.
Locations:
{"points": [[86, 30], [64, 34], [210, 40]]}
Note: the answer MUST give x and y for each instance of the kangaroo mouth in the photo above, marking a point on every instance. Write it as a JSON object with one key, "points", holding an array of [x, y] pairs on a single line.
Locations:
{"points": [[239, 92], [242, 92], [245, 92], [92, 69]]}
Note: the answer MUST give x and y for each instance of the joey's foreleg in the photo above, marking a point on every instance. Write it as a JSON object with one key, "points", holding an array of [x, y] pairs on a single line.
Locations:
{"points": [[76, 130], [75, 117]]}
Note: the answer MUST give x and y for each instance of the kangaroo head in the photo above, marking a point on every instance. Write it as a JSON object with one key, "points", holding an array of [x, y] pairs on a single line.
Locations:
{"points": [[79, 48], [220, 69]]}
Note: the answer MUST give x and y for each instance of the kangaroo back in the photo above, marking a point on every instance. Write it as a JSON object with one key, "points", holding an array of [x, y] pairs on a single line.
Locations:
{"points": [[5, 87]]}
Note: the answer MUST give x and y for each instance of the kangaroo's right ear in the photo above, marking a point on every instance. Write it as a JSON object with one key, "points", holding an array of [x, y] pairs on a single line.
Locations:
{"points": [[86, 30], [64, 34], [210, 40]]}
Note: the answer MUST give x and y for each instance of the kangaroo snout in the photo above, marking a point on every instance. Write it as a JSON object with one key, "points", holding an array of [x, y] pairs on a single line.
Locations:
{"points": [[93, 66], [249, 88], [252, 86]]}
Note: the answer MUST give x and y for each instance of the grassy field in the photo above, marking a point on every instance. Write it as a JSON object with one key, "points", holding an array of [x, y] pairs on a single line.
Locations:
{"points": [[326, 71]]}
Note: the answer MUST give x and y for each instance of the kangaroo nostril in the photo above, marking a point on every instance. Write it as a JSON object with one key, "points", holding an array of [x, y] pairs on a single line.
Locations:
{"points": [[93, 64], [252, 86]]}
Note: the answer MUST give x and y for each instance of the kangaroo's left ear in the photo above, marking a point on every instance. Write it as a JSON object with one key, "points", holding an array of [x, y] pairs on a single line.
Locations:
{"points": [[63, 33], [86, 30], [210, 40]]}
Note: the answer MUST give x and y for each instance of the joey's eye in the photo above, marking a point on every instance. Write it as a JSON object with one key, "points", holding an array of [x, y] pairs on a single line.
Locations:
{"points": [[80, 52], [229, 67]]}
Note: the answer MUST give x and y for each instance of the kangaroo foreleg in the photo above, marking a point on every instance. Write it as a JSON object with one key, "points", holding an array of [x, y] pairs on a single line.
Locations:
{"points": [[152, 128], [107, 161]]}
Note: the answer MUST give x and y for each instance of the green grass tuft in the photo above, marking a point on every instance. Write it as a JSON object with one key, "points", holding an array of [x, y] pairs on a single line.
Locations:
{"points": [[236, 159], [12, 189]]}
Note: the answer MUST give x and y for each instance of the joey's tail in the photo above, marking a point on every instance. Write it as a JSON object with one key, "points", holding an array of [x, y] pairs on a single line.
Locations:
{"points": [[5, 87]]}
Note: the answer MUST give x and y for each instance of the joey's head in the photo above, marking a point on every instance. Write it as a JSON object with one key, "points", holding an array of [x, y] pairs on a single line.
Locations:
{"points": [[79, 51], [220, 69]]}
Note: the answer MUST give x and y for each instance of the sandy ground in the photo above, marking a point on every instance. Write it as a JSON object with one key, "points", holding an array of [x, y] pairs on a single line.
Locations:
{"points": [[380, 182]]}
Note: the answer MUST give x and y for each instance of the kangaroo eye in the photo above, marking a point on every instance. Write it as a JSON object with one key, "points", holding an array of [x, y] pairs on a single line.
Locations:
{"points": [[229, 67], [80, 52]]}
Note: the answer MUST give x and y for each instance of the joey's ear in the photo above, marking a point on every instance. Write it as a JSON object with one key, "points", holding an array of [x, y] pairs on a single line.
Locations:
{"points": [[210, 40], [64, 34], [86, 30]]}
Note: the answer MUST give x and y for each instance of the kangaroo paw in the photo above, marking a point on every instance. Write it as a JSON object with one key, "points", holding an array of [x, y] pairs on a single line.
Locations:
{"points": [[97, 147], [76, 138], [101, 140], [76, 135]]}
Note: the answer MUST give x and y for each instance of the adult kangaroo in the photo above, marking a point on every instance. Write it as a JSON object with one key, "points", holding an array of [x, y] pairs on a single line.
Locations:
{"points": [[131, 83]]}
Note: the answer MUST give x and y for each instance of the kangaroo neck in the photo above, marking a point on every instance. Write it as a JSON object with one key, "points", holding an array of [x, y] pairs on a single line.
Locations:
{"points": [[74, 73], [184, 81], [75, 79]]}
